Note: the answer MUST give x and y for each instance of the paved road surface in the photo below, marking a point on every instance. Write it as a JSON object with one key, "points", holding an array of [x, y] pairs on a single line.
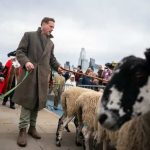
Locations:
{"points": [[46, 125]]}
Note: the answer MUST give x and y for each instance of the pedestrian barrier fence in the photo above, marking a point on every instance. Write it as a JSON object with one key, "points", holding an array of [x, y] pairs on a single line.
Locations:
{"points": [[93, 87]]}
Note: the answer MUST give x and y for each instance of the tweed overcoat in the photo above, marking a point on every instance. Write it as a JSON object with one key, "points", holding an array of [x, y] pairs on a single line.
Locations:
{"points": [[38, 49]]}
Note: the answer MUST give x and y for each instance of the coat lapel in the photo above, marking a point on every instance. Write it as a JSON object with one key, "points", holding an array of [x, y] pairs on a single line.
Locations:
{"points": [[45, 44]]}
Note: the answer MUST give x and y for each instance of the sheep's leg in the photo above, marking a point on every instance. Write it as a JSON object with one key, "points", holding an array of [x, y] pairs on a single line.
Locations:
{"points": [[95, 140], [105, 145], [67, 128], [76, 122], [86, 135], [79, 135], [62, 123]]}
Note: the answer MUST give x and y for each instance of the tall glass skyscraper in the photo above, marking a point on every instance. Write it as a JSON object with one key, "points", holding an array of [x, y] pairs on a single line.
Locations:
{"points": [[82, 60]]}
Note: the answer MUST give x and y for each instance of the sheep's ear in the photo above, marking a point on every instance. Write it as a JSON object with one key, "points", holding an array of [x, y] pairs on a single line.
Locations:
{"points": [[147, 54]]}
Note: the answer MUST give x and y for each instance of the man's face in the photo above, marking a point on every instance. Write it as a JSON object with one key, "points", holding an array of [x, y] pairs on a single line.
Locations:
{"points": [[47, 28]]}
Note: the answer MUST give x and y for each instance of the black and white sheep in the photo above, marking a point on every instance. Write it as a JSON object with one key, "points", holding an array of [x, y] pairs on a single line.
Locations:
{"points": [[127, 96], [128, 92]]}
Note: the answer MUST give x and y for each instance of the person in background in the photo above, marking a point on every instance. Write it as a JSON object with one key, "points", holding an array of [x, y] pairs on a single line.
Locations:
{"points": [[70, 82], [35, 54], [11, 77], [58, 88], [87, 80], [78, 76], [100, 70], [66, 75], [106, 74]]}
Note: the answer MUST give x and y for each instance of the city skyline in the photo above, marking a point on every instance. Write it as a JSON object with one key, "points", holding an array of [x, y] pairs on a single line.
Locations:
{"points": [[83, 62], [108, 29]]}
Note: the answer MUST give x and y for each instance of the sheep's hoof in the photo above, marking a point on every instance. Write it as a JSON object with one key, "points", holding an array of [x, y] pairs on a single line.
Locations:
{"points": [[58, 144], [94, 143], [78, 143]]}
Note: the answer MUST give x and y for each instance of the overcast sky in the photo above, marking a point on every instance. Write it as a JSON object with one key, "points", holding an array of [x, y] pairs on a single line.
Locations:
{"points": [[107, 29]]}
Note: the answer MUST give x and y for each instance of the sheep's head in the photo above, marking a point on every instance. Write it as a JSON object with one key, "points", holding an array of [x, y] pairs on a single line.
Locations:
{"points": [[127, 93]]}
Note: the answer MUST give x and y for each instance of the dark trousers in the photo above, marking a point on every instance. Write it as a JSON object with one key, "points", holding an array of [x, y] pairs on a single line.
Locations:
{"points": [[10, 95]]}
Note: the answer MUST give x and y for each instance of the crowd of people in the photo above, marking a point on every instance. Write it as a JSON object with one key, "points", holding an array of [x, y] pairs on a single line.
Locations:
{"points": [[76, 77], [89, 77]]}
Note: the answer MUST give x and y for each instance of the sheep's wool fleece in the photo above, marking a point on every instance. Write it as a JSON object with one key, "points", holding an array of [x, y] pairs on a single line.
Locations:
{"points": [[135, 134], [88, 102], [68, 99]]}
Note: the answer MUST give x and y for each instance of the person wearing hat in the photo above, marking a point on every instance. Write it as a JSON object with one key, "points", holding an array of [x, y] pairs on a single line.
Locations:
{"points": [[70, 82], [78, 74], [10, 74]]}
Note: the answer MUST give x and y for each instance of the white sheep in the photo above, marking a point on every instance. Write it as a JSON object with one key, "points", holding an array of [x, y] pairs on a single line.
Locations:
{"points": [[135, 134], [68, 99], [86, 106]]}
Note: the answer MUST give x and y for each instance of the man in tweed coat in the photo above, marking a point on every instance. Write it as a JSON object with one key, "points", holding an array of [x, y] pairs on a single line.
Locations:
{"points": [[35, 53]]}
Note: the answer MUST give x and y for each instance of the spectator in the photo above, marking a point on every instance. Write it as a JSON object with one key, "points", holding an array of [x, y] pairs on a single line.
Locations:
{"points": [[78, 76], [66, 75], [58, 88], [106, 74], [70, 82], [100, 70], [87, 80], [11, 73]]}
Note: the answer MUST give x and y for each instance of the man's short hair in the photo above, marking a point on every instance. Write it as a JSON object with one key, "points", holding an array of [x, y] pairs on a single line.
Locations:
{"points": [[47, 19]]}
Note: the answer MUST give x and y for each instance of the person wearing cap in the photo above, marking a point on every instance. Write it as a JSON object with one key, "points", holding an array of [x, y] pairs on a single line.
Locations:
{"points": [[35, 53], [70, 82], [10, 74], [78, 74]]}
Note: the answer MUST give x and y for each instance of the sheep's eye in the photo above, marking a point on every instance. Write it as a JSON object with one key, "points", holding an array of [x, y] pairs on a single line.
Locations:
{"points": [[140, 75], [140, 78]]}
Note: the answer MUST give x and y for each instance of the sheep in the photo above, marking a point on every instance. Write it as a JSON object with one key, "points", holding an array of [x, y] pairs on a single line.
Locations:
{"points": [[126, 97], [86, 107], [127, 94], [68, 99], [107, 138], [135, 134]]}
